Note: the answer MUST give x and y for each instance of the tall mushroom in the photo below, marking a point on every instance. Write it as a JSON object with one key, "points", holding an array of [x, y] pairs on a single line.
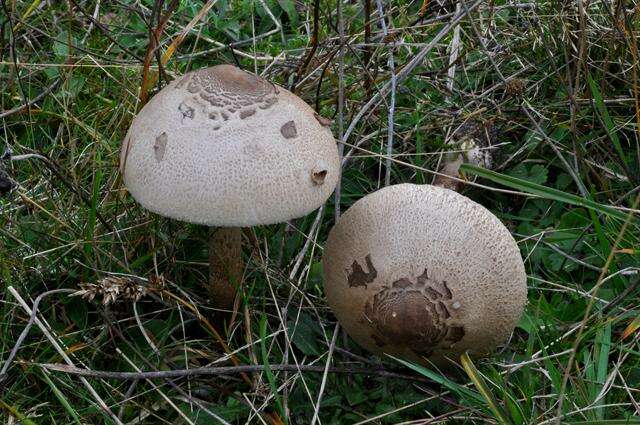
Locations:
{"points": [[423, 273], [223, 147]]}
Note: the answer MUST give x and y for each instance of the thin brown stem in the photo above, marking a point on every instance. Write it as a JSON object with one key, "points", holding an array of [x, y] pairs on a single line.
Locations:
{"points": [[222, 370], [450, 169], [304, 63], [154, 42], [225, 265]]}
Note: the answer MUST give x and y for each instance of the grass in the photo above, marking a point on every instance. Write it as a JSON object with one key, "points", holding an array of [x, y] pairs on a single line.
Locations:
{"points": [[555, 87]]}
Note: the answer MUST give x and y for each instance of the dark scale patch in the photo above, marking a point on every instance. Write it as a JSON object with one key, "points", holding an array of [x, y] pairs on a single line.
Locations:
{"points": [[456, 333], [186, 111], [318, 176], [246, 113], [433, 293], [423, 278], [289, 130], [447, 291], [268, 103], [402, 283], [412, 314], [442, 310], [230, 88], [358, 277], [160, 146]]}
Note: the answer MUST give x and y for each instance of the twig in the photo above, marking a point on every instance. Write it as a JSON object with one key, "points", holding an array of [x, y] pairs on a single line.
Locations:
{"points": [[622, 296], [158, 390], [314, 227], [53, 167], [338, 190], [127, 395], [183, 33], [368, 80], [154, 42], [31, 102], [222, 370], [392, 102], [314, 46], [143, 330], [25, 331], [64, 355], [555, 149], [409, 67], [454, 50], [325, 372], [105, 30]]}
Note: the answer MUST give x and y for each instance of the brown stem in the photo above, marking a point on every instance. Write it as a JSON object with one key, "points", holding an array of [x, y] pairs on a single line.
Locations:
{"points": [[304, 63], [451, 168], [367, 49], [225, 265]]}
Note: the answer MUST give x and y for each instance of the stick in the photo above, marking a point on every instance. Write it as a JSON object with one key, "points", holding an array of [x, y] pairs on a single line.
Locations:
{"points": [[404, 72], [64, 355], [222, 370], [325, 373], [25, 331], [392, 102]]}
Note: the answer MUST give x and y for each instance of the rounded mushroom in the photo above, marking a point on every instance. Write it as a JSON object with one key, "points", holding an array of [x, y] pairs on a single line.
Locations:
{"points": [[223, 147], [423, 273]]}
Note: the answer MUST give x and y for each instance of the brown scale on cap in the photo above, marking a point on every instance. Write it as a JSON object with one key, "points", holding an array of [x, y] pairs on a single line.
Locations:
{"points": [[228, 90], [160, 146], [288, 130], [358, 277], [413, 314]]}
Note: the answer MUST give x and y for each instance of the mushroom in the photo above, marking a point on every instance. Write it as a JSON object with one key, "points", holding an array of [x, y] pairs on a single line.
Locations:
{"points": [[223, 147], [423, 273], [474, 143]]}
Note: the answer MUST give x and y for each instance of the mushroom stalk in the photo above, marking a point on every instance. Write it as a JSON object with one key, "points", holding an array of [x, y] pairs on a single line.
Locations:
{"points": [[473, 142], [450, 169], [225, 265]]}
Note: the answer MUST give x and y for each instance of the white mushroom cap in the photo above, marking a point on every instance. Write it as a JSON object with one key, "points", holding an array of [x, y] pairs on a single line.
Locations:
{"points": [[424, 272], [223, 147]]}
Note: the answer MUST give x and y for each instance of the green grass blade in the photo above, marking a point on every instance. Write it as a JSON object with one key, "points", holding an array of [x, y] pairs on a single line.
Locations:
{"points": [[482, 387], [445, 382], [606, 118], [267, 368], [541, 191], [60, 396], [630, 421], [602, 349], [92, 213]]}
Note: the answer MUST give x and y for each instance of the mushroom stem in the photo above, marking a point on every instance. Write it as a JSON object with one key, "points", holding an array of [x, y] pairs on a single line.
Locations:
{"points": [[451, 168], [225, 265]]}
